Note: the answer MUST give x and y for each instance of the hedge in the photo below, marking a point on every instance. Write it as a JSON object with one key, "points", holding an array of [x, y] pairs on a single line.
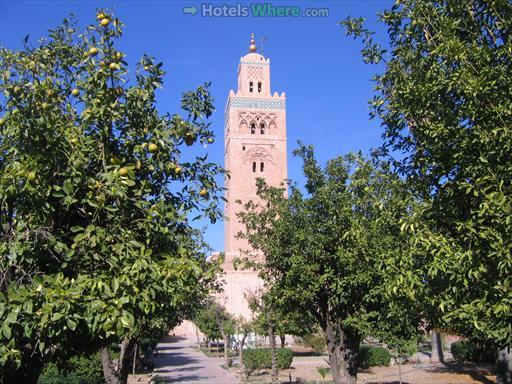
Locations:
{"points": [[261, 358], [373, 357], [317, 342], [81, 370], [466, 350]]}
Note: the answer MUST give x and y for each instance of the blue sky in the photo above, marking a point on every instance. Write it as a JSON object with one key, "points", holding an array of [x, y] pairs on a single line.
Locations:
{"points": [[320, 69]]}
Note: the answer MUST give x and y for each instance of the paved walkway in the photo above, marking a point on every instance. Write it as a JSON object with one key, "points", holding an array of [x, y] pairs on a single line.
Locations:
{"points": [[179, 361]]}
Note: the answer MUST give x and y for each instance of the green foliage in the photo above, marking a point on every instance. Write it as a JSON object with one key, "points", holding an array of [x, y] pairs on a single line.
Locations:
{"points": [[317, 342], [213, 319], [410, 348], [96, 245], [444, 101], [336, 269], [261, 358], [466, 350], [79, 370], [322, 371], [369, 356]]}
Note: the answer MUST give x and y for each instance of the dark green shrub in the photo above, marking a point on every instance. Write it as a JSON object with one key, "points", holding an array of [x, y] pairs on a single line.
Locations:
{"points": [[466, 350], [80, 370], [316, 342], [373, 357], [260, 358]]}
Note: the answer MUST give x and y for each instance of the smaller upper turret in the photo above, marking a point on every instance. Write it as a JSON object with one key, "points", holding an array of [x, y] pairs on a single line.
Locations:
{"points": [[254, 74]]}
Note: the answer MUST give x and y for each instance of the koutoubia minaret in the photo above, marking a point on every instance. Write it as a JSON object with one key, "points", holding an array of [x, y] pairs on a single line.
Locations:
{"points": [[254, 147]]}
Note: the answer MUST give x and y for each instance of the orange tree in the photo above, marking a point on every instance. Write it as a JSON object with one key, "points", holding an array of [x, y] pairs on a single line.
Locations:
{"points": [[336, 268], [444, 99], [95, 243]]}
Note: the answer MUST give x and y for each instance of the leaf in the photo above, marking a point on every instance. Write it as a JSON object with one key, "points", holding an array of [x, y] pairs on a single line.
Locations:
{"points": [[6, 330], [68, 187], [127, 319], [12, 317], [71, 324]]}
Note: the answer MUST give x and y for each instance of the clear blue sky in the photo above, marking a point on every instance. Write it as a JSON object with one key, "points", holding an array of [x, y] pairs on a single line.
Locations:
{"points": [[319, 68]]}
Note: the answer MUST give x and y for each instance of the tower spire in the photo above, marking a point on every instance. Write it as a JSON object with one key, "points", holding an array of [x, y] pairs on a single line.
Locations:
{"points": [[252, 47]]}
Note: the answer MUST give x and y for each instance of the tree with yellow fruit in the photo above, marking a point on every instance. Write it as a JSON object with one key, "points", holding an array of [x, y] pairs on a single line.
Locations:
{"points": [[94, 251]]}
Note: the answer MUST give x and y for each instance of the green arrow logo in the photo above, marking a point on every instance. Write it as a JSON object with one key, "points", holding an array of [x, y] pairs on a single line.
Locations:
{"points": [[190, 10]]}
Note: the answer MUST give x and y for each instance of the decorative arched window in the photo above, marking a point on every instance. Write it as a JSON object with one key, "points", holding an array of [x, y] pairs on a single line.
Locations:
{"points": [[259, 86], [254, 166], [243, 126], [262, 166], [262, 128], [253, 128], [251, 85]]}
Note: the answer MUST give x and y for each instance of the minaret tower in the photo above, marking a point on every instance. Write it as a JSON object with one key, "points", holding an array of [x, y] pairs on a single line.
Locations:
{"points": [[254, 146]]}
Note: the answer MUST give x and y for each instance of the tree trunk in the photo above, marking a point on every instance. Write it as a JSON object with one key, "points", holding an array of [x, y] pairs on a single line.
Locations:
{"points": [[273, 352], [283, 340], [349, 346], [504, 366], [334, 353], [399, 368], [117, 373], [108, 367], [135, 353], [436, 344], [226, 342], [196, 331], [241, 344]]}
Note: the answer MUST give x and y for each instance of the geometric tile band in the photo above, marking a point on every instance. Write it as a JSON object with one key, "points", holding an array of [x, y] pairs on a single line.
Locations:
{"points": [[242, 102]]}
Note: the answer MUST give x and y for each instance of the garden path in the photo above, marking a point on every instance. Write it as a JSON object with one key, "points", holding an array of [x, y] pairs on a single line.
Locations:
{"points": [[178, 360]]}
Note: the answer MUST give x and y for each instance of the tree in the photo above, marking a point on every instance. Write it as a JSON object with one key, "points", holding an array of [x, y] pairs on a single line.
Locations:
{"points": [[262, 304], [243, 328], [226, 325], [95, 242], [206, 321], [215, 323], [444, 101], [335, 268]]}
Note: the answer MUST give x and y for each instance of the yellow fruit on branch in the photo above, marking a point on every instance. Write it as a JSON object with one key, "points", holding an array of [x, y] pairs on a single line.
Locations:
{"points": [[210, 140], [122, 171], [104, 22], [113, 66], [177, 171], [203, 192], [152, 147], [100, 16], [119, 56], [93, 51], [31, 176], [75, 92]]}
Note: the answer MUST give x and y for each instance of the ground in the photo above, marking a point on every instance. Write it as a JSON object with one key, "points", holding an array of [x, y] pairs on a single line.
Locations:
{"points": [[178, 360]]}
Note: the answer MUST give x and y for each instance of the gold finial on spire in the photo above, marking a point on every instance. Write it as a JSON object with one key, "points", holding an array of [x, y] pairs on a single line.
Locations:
{"points": [[252, 47]]}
